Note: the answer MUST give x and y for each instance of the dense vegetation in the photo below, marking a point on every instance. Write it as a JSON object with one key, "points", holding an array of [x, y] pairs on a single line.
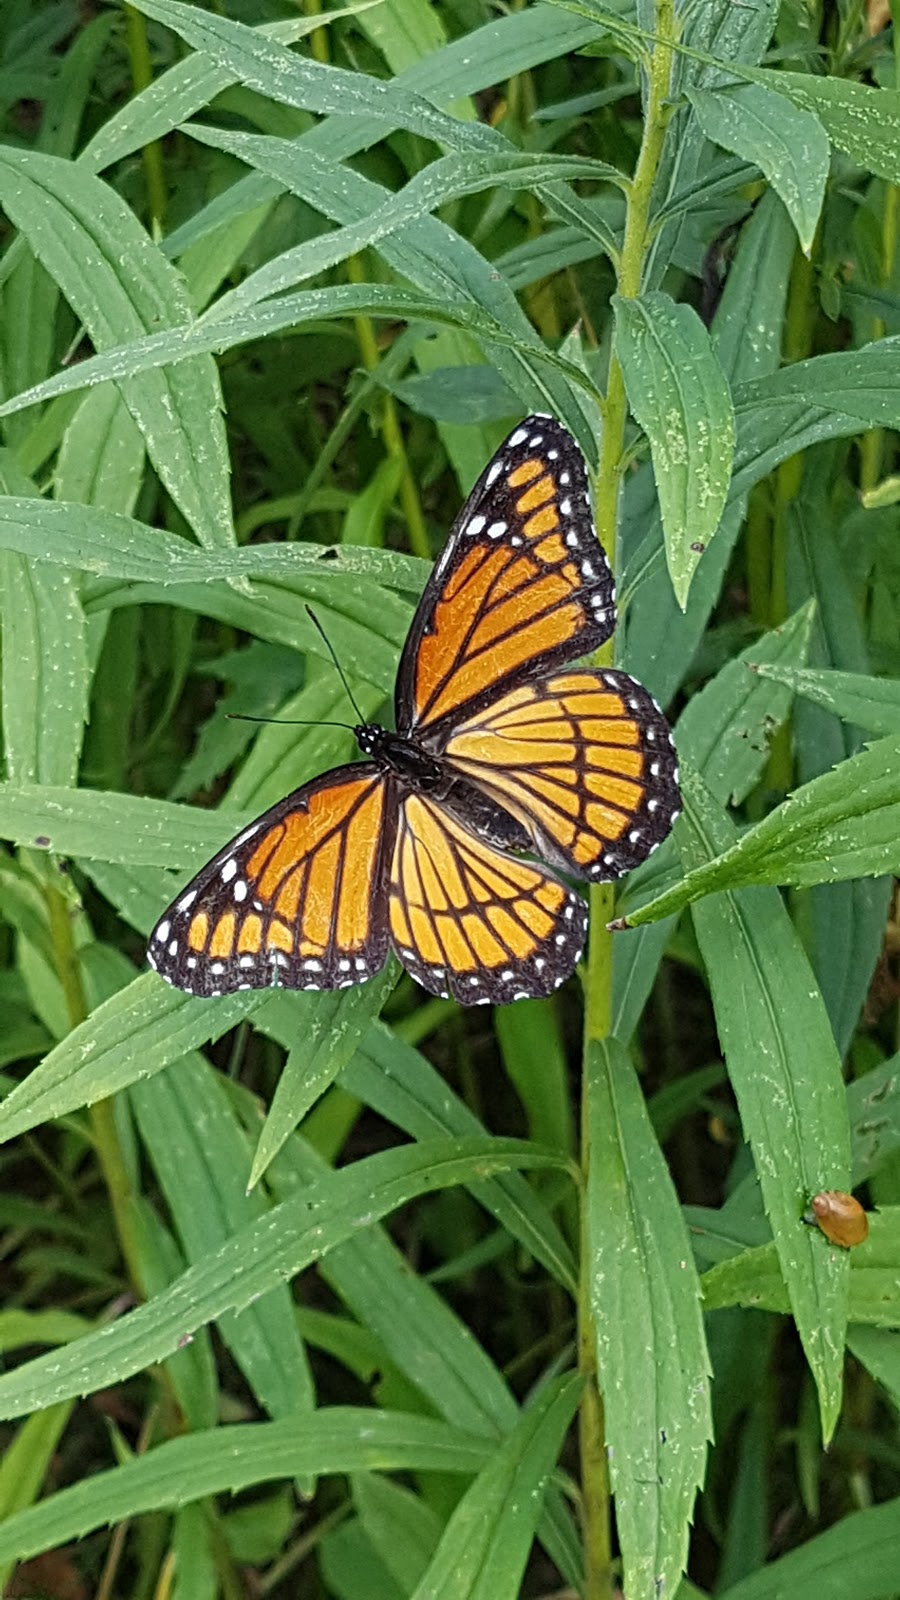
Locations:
{"points": [[365, 1294]]}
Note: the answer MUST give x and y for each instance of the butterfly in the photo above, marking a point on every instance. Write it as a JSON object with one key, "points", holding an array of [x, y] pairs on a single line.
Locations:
{"points": [[506, 756]]}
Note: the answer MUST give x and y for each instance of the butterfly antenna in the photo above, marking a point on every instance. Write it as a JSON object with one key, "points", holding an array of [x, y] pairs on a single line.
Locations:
{"points": [[288, 722], [340, 671]]}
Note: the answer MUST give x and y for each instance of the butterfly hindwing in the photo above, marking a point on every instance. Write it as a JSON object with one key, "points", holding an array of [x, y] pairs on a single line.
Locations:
{"points": [[470, 921], [584, 760], [522, 586], [297, 899], [504, 751]]}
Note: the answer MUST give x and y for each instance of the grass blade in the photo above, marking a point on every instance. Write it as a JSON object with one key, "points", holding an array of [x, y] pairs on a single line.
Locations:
{"points": [[656, 1387]]}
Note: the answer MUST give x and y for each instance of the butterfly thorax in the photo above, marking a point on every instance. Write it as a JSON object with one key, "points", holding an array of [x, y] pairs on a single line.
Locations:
{"points": [[423, 773], [401, 755]]}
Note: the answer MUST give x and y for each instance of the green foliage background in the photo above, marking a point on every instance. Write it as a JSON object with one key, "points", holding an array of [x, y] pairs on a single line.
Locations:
{"points": [[274, 287]]}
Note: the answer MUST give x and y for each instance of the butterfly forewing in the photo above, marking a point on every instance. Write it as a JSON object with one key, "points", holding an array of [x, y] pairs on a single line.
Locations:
{"points": [[585, 760], [470, 921], [523, 585], [298, 899], [503, 750]]}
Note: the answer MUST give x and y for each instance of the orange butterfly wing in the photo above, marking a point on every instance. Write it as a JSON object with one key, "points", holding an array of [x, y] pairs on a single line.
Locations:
{"points": [[576, 766], [523, 584], [467, 920], [298, 899], [584, 761]]}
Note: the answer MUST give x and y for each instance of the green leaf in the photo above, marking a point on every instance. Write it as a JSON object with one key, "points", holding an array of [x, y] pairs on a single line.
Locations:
{"points": [[437, 184], [263, 64], [45, 671], [534, 1057], [873, 1106], [401, 1085], [786, 1073], [316, 1056], [845, 824], [869, 703], [39, 1327], [277, 1247], [826, 397], [121, 286], [462, 395], [788, 145], [725, 731], [139, 832], [878, 1349], [661, 640], [27, 1458], [862, 121], [201, 1158], [387, 302], [411, 1328], [754, 1278], [129, 1037], [678, 394], [484, 1549], [726, 728], [174, 95], [46, 674], [101, 454], [403, 1529], [655, 1388], [113, 546], [339, 1439], [858, 1556]]}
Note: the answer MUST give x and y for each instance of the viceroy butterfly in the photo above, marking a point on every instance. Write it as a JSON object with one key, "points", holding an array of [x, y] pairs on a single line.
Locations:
{"points": [[503, 751]]}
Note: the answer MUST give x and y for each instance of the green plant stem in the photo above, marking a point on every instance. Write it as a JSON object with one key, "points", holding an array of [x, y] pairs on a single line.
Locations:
{"points": [[390, 428], [595, 1486], [318, 39], [103, 1123], [800, 321], [141, 77], [872, 444]]}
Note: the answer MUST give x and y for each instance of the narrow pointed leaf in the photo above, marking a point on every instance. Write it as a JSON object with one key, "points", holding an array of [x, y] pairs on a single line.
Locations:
{"points": [[679, 395], [485, 1546], [226, 1460], [788, 144], [267, 66], [279, 1245], [786, 1073], [651, 1351], [845, 824], [121, 286], [869, 703]]}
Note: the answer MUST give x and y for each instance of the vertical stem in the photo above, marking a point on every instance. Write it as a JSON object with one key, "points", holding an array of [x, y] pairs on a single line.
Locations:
{"points": [[410, 503], [319, 36], [598, 980], [800, 322], [871, 447], [141, 76], [103, 1125]]}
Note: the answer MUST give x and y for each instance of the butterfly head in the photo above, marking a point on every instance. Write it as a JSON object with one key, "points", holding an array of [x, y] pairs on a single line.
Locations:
{"points": [[370, 738], [401, 755]]}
